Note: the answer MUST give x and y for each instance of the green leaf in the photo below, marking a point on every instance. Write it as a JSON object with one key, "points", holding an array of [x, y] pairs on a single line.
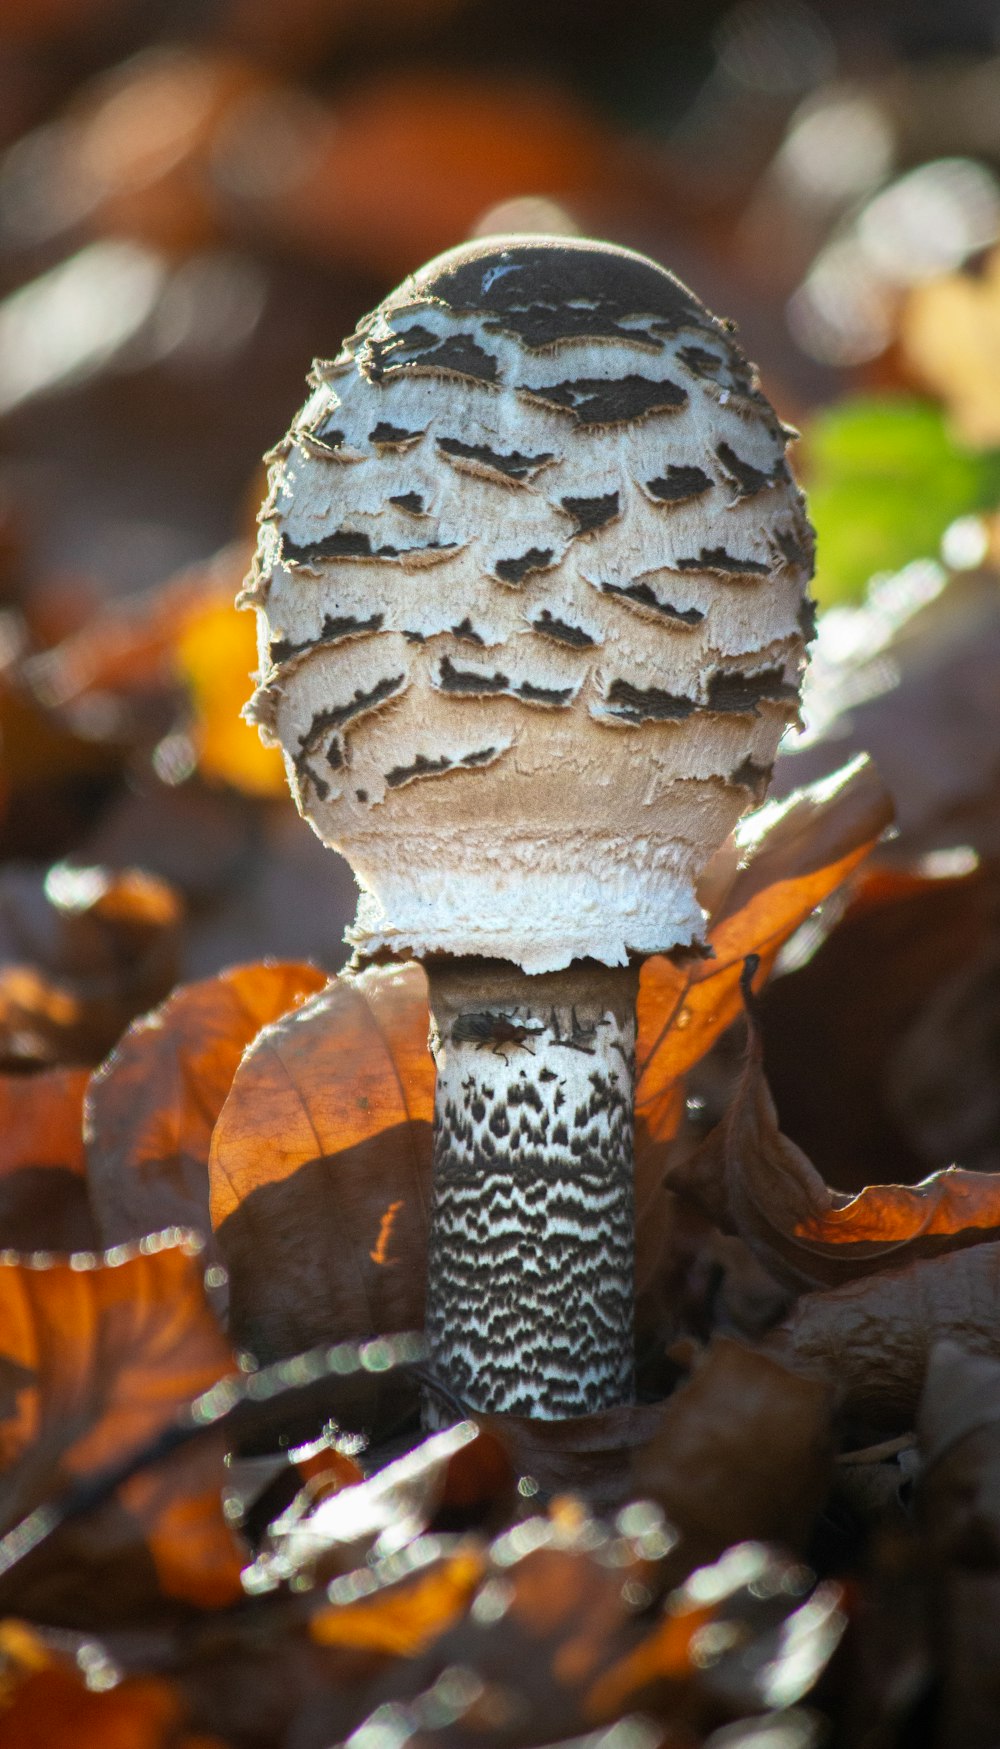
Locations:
{"points": [[885, 479]]}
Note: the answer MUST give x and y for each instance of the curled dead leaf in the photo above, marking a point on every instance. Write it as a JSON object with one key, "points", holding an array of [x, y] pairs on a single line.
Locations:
{"points": [[880, 1048], [751, 1180], [152, 1105], [378, 1517], [327, 1124], [782, 862], [564, 1634]]}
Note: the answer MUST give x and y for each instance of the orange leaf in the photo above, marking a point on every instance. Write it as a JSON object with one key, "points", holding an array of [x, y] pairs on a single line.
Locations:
{"points": [[41, 1121], [54, 1709], [948, 1204], [793, 856], [402, 1619], [43, 1193], [101, 1353], [152, 1106], [327, 1124], [217, 654]]}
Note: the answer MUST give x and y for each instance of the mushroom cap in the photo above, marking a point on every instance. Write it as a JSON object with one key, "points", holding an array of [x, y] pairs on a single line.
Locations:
{"points": [[531, 592]]}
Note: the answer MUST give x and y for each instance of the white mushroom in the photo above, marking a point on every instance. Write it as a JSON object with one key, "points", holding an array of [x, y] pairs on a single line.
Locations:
{"points": [[531, 588]]}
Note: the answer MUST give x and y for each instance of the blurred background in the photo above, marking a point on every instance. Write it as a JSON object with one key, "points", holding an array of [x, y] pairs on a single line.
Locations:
{"points": [[198, 196]]}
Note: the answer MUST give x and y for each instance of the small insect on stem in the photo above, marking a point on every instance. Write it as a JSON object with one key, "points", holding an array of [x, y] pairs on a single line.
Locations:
{"points": [[580, 1038], [493, 1031]]}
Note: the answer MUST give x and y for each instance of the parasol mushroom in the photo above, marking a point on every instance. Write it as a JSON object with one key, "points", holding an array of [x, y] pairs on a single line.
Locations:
{"points": [[531, 592]]}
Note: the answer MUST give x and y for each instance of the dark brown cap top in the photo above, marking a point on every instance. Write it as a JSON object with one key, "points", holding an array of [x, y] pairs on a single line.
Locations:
{"points": [[550, 289]]}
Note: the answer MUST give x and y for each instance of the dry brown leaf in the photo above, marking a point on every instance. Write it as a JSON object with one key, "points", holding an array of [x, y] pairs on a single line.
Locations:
{"points": [[751, 1180], [899, 1080], [872, 1338], [559, 1638], [450, 1472], [741, 1452], [792, 857], [327, 1125], [85, 953], [785, 861], [953, 1204], [587, 1455], [97, 1356], [151, 1107], [43, 1189]]}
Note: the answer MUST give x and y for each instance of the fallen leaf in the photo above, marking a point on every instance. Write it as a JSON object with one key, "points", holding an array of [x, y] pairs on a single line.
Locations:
{"points": [[872, 1338], [958, 1511], [401, 1619], [152, 1105], [374, 1518], [561, 1636], [741, 1452], [586, 1455], [855, 1080], [751, 1180], [98, 1355], [98, 947], [748, 1632], [217, 657], [43, 1189], [328, 1122], [789, 859], [54, 1709], [560, 1605]]}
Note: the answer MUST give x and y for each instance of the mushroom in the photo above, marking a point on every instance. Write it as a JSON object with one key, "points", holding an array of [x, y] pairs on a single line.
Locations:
{"points": [[531, 591]]}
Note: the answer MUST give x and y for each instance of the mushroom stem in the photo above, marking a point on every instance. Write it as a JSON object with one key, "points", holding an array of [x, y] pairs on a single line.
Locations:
{"points": [[532, 1243]]}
